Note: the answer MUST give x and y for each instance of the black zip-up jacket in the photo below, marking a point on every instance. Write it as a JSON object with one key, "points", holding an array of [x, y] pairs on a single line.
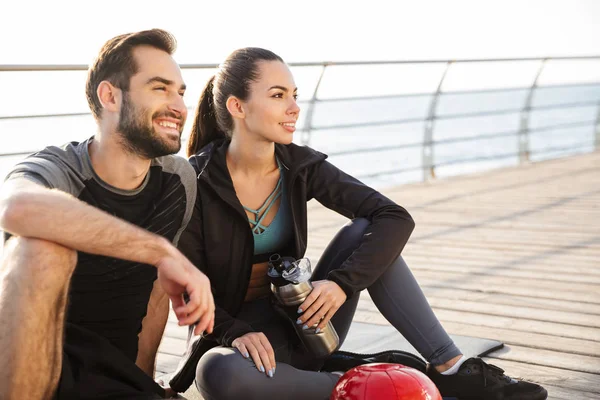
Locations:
{"points": [[219, 241]]}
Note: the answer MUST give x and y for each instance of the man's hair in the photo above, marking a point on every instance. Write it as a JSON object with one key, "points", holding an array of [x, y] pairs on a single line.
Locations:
{"points": [[115, 62]]}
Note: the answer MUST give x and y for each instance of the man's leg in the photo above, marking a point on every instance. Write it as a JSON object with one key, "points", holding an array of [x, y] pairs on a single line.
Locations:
{"points": [[34, 282]]}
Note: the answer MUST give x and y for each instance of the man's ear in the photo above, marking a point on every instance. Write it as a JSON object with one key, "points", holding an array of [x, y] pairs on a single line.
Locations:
{"points": [[235, 107], [110, 96]]}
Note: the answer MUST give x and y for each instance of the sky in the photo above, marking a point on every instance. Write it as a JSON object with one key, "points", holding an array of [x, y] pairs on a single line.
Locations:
{"points": [[71, 32]]}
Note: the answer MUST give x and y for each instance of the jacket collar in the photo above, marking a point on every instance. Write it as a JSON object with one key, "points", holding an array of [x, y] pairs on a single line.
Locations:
{"points": [[211, 163]]}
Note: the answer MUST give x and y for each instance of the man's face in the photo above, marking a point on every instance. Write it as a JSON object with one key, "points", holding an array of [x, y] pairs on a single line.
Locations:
{"points": [[152, 110]]}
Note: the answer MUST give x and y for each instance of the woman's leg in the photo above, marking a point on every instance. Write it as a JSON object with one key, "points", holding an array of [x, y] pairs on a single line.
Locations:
{"points": [[223, 374], [396, 294], [401, 301]]}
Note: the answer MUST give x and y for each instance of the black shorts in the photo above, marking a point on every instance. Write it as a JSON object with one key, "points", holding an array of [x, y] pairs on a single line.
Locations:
{"points": [[93, 368]]}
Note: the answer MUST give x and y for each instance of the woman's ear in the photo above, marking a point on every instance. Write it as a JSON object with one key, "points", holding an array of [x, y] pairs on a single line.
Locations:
{"points": [[109, 96], [235, 107]]}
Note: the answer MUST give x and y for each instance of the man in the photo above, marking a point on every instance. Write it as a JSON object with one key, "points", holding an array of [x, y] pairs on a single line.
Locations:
{"points": [[92, 228]]}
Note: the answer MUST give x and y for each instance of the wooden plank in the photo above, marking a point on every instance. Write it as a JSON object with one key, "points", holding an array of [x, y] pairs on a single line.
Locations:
{"points": [[501, 254], [573, 362], [176, 331], [509, 300], [574, 380], [504, 239], [544, 267], [545, 264], [533, 314], [166, 363], [516, 243], [172, 345], [530, 339], [490, 308], [521, 273], [468, 283], [560, 393], [368, 313]]}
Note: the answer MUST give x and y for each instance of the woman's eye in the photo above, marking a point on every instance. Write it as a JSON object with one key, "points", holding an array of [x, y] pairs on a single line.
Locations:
{"points": [[161, 88], [278, 95], [296, 97]]}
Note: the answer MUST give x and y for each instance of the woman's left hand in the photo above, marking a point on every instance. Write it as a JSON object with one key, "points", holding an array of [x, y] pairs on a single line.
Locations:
{"points": [[320, 305]]}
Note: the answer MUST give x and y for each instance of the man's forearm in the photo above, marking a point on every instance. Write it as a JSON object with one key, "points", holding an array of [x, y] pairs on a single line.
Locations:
{"points": [[29, 210]]}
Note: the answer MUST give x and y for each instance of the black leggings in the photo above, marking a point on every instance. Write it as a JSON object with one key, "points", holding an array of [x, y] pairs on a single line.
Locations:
{"points": [[223, 373]]}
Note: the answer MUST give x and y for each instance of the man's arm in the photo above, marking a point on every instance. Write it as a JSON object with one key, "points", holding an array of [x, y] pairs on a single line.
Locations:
{"points": [[153, 327], [31, 210]]}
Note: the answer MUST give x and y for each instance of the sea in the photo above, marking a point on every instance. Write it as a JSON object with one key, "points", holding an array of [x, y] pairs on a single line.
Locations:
{"points": [[372, 125]]}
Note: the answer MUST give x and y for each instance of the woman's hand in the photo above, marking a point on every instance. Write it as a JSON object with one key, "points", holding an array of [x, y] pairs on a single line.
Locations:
{"points": [[321, 304], [257, 346]]}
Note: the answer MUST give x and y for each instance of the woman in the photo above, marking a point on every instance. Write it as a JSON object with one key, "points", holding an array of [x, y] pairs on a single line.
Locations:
{"points": [[253, 186]]}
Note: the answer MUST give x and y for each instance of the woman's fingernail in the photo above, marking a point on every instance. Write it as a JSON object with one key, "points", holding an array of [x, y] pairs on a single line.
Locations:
{"points": [[305, 327], [246, 355], [318, 330], [298, 321], [299, 311], [270, 373], [262, 369]]}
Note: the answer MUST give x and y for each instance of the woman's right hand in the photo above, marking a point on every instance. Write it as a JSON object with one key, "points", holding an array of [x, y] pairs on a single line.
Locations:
{"points": [[257, 346]]}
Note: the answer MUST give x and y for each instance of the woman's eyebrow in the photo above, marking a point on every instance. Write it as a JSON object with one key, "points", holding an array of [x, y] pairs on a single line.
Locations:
{"points": [[282, 88]]}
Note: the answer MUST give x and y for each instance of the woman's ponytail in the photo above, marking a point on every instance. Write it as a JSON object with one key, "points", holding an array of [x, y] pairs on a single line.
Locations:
{"points": [[205, 128]]}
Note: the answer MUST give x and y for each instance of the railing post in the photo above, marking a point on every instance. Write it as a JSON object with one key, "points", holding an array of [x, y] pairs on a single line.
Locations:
{"points": [[305, 137], [523, 136], [428, 156], [597, 134]]}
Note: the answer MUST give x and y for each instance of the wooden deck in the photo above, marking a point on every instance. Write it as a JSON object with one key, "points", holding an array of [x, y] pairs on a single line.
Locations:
{"points": [[511, 255]]}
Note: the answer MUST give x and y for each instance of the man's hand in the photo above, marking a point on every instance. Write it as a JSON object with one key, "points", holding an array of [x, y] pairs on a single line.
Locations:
{"points": [[177, 275], [169, 393], [257, 346], [321, 304]]}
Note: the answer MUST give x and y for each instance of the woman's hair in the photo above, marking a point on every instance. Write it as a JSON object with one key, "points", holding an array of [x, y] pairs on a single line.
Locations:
{"points": [[212, 120]]}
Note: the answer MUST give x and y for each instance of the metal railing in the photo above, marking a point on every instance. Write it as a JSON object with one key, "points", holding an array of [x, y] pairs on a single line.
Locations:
{"points": [[427, 142]]}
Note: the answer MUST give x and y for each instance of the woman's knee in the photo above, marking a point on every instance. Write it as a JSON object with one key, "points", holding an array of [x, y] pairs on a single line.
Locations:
{"points": [[343, 244], [354, 230], [221, 374]]}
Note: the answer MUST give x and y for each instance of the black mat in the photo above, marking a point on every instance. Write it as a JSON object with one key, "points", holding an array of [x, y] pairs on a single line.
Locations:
{"points": [[369, 338]]}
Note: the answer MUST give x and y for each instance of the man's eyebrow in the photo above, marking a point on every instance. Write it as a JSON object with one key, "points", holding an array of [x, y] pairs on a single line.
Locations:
{"points": [[167, 82], [281, 88]]}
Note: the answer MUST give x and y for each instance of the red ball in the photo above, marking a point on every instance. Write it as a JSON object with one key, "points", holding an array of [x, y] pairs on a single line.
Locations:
{"points": [[381, 381]]}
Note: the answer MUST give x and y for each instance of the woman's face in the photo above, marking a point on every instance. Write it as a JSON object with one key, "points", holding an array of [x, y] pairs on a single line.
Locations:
{"points": [[271, 110]]}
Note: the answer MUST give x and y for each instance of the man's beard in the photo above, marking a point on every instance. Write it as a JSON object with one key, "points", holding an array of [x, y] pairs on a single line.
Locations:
{"points": [[141, 138]]}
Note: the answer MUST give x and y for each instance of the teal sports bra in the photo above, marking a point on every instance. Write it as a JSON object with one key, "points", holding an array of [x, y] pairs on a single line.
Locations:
{"points": [[278, 233]]}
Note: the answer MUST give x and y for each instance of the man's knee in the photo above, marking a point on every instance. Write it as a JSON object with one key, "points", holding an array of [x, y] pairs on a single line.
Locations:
{"points": [[37, 258]]}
